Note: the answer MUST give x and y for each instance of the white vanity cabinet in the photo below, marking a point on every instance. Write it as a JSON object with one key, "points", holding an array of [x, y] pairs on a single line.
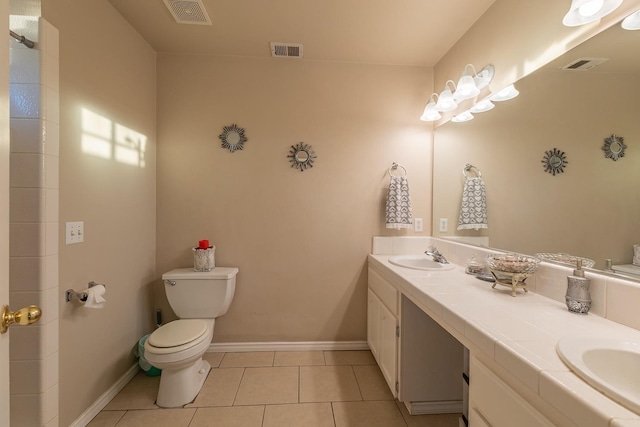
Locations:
{"points": [[493, 403], [382, 327]]}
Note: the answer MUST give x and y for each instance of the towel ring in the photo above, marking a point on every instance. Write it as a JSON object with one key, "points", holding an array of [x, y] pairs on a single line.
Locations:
{"points": [[394, 167], [468, 167]]}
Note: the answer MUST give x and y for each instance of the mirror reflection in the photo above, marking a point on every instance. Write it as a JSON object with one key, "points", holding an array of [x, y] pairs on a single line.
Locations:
{"points": [[592, 209]]}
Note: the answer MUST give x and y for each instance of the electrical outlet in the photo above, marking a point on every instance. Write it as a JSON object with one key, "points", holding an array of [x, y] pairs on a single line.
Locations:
{"points": [[444, 225], [74, 232], [417, 225]]}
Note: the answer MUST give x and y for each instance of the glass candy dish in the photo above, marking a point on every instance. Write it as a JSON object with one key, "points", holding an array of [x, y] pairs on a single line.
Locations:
{"points": [[512, 270]]}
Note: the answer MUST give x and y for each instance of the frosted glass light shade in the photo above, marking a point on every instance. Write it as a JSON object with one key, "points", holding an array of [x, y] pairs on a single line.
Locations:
{"points": [[505, 94], [466, 88], [430, 114], [462, 117], [585, 11], [482, 106], [446, 101], [632, 22]]}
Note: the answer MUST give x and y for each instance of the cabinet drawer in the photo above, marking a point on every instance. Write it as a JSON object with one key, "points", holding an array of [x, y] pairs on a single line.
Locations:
{"points": [[387, 293]]}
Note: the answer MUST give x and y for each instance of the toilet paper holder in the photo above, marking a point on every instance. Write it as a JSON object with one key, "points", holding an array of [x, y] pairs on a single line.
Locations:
{"points": [[70, 294]]}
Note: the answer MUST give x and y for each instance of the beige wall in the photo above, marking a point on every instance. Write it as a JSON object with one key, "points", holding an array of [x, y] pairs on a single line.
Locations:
{"points": [[300, 239], [107, 69], [590, 209]]}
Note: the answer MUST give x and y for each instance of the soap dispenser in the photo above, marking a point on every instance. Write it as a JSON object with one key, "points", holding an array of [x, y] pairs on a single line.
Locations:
{"points": [[578, 297]]}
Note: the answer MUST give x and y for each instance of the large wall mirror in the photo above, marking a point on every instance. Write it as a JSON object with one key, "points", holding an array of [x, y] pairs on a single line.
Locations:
{"points": [[592, 208]]}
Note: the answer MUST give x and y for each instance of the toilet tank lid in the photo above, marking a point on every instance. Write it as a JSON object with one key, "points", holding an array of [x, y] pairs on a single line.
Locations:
{"points": [[189, 273]]}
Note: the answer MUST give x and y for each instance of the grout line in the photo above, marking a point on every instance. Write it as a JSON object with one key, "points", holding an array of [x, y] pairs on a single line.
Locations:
{"points": [[235, 396], [357, 382]]}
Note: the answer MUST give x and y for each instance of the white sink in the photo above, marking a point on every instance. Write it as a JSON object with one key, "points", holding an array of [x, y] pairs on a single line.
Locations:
{"points": [[419, 262], [612, 366]]}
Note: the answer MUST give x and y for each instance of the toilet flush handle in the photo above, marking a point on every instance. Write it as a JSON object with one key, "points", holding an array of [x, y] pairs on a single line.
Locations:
{"points": [[170, 282]]}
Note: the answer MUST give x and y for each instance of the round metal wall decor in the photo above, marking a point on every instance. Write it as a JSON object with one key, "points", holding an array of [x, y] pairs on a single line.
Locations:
{"points": [[614, 147], [554, 161], [233, 138], [301, 156]]}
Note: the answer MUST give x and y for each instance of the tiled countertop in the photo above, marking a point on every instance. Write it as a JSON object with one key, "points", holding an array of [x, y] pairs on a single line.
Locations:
{"points": [[520, 333]]}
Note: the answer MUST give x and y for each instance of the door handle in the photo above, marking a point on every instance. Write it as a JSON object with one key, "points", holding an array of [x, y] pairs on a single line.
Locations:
{"points": [[24, 316]]}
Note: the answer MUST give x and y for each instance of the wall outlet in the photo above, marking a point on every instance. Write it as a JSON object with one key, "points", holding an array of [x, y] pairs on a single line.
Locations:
{"points": [[417, 225], [74, 232], [444, 225]]}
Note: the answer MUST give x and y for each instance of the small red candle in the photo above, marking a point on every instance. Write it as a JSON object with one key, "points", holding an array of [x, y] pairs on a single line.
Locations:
{"points": [[203, 244]]}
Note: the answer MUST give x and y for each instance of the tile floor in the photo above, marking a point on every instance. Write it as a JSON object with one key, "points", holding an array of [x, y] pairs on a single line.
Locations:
{"points": [[274, 389]]}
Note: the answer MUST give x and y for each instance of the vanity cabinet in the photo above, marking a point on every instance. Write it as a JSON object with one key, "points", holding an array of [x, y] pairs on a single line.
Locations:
{"points": [[382, 327], [493, 403]]}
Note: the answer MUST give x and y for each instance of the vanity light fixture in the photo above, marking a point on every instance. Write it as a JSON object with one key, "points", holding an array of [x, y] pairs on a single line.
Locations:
{"points": [[430, 114], [632, 22], [585, 11], [465, 116], [482, 106], [466, 87], [445, 99], [505, 94]]}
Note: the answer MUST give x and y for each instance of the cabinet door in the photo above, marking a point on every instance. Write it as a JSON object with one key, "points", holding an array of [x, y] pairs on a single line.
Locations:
{"points": [[499, 404], [373, 324], [388, 348]]}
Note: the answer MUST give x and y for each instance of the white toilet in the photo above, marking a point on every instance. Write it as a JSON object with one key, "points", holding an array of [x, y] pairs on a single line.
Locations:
{"points": [[197, 298]]}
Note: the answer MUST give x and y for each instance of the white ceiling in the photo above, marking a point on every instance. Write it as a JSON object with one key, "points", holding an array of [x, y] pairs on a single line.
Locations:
{"points": [[399, 32]]}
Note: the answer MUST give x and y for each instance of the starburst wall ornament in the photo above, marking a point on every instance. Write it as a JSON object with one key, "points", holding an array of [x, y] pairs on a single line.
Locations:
{"points": [[232, 138], [554, 161]]}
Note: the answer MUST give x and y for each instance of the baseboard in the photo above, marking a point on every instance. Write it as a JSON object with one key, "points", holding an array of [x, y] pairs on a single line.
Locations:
{"points": [[442, 407], [105, 398], [287, 346]]}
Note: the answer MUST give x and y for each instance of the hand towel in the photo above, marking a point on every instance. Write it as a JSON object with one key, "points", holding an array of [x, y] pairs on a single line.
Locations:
{"points": [[398, 210], [473, 212]]}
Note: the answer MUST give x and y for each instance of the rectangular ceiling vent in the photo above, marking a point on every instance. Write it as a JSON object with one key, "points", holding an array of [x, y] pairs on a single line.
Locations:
{"points": [[188, 12], [286, 50], [584, 64]]}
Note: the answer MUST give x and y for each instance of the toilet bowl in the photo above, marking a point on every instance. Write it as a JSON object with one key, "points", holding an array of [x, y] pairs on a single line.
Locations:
{"points": [[177, 347]]}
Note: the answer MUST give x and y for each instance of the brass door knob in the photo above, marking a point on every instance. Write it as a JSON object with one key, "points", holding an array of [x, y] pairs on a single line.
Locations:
{"points": [[24, 316]]}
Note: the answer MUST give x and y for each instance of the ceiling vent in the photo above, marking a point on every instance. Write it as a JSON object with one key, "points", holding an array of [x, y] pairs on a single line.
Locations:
{"points": [[286, 50], [188, 12], [584, 64]]}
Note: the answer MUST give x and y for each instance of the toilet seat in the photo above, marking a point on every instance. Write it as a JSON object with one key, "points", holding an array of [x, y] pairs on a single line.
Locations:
{"points": [[177, 336]]}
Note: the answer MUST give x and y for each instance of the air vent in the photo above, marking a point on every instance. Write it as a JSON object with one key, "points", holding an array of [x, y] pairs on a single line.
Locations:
{"points": [[286, 50], [584, 64], [188, 12]]}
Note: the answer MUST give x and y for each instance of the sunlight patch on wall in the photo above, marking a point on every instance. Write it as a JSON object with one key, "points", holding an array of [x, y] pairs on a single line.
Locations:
{"points": [[108, 140]]}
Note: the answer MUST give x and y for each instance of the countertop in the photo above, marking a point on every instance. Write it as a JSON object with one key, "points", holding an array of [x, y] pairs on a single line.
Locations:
{"points": [[519, 333]]}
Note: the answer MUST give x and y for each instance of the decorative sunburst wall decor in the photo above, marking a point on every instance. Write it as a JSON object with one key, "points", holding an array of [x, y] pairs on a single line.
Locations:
{"points": [[301, 156], [554, 161], [232, 138], [614, 147]]}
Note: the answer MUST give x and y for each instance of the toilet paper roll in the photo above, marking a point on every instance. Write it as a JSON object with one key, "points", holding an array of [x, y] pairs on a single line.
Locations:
{"points": [[95, 297]]}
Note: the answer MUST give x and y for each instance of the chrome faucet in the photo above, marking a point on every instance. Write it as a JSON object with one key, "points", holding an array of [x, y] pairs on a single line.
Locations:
{"points": [[437, 256]]}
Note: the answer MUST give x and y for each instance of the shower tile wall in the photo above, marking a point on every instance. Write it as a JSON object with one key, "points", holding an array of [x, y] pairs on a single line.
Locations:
{"points": [[34, 122]]}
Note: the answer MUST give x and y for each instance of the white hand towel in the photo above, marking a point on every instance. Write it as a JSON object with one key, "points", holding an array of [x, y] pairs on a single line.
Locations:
{"points": [[473, 212], [398, 210]]}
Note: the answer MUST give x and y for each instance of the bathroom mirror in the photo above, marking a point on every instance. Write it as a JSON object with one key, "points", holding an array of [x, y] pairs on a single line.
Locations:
{"points": [[532, 211]]}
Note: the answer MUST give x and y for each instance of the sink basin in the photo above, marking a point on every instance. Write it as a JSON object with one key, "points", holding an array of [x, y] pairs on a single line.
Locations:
{"points": [[611, 366], [419, 262]]}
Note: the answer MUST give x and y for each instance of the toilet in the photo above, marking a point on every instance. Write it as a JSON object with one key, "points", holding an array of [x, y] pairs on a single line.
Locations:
{"points": [[197, 298]]}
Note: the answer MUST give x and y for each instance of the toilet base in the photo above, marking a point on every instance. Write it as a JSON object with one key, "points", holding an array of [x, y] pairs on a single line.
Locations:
{"points": [[181, 386]]}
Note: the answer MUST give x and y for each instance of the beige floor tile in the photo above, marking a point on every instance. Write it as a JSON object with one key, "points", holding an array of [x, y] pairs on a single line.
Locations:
{"points": [[328, 384], [237, 416], [372, 384], [298, 358], [214, 359], [160, 418], [367, 414], [349, 357], [268, 386], [140, 393], [299, 415], [106, 419], [253, 359], [220, 388], [435, 420]]}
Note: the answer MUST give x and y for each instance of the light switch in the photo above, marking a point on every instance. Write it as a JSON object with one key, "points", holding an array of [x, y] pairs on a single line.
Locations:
{"points": [[74, 232]]}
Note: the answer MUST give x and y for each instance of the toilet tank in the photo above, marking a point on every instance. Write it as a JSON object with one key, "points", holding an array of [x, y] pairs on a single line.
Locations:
{"points": [[200, 294]]}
